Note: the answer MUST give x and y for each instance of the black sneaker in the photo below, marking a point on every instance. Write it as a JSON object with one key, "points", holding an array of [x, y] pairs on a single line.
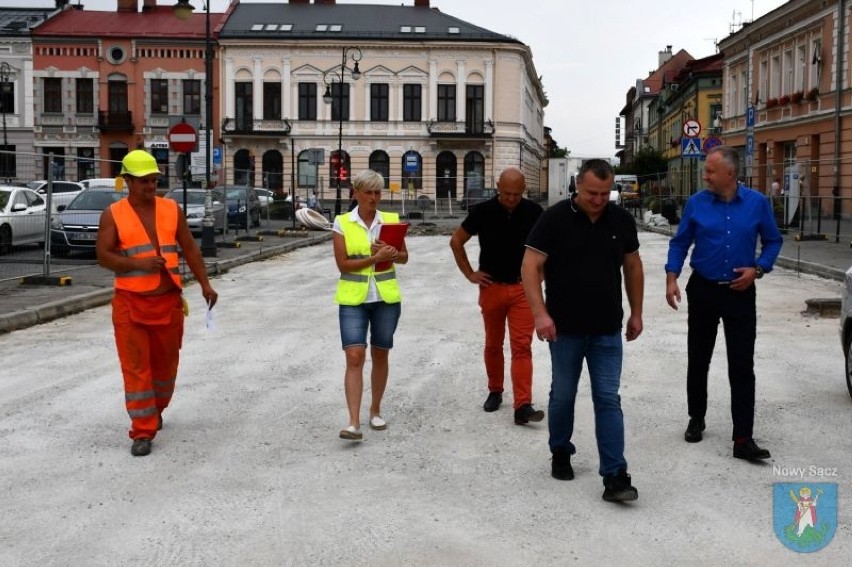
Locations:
{"points": [[560, 466], [526, 413], [140, 447], [617, 488], [493, 402]]}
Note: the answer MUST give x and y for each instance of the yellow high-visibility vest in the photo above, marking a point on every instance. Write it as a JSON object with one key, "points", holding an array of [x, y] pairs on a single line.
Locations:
{"points": [[352, 287]]}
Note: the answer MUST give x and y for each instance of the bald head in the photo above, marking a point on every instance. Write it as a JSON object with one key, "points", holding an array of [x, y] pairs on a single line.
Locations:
{"points": [[510, 188]]}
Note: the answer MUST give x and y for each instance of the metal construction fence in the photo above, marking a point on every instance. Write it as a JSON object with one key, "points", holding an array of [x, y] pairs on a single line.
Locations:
{"points": [[43, 232]]}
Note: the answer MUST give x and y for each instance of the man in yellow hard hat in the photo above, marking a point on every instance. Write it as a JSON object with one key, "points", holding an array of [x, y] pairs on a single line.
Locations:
{"points": [[138, 239]]}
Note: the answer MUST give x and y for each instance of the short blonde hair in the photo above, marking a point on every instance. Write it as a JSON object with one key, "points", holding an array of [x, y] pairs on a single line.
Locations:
{"points": [[368, 180]]}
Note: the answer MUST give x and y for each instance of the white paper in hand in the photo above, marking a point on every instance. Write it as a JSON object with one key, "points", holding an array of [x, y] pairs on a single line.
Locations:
{"points": [[210, 324]]}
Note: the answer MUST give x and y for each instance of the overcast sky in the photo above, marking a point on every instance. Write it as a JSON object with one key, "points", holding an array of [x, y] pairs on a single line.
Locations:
{"points": [[589, 53]]}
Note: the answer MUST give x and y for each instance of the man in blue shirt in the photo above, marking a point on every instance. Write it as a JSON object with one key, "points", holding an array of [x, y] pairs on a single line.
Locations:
{"points": [[723, 222]]}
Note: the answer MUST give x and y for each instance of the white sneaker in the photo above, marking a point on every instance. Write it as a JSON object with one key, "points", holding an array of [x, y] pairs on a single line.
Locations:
{"points": [[351, 433], [377, 423]]}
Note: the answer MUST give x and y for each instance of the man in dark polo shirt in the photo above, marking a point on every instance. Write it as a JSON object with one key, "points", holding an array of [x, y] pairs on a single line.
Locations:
{"points": [[502, 224], [580, 247]]}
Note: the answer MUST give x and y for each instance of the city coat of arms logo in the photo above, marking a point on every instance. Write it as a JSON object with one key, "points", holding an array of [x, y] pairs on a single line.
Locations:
{"points": [[805, 514]]}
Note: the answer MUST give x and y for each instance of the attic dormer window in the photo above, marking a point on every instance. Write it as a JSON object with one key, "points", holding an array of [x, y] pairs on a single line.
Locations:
{"points": [[322, 27], [404, 29], [453, 30], [335, 28], [420, 29]]}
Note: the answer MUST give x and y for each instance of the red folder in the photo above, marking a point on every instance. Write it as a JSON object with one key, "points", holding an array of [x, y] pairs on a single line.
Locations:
{"points": [[392, 234]]}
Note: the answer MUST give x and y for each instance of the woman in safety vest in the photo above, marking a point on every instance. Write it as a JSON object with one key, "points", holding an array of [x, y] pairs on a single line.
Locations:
{"points": [[368, 295]]}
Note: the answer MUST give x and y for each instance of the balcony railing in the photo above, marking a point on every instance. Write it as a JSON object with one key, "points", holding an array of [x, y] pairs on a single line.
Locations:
{"points": [[257, 126], [460, 129], [115, 121]]}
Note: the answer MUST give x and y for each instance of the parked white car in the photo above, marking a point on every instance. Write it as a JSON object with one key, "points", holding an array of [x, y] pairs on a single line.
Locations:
{"points": [[22, 217], [63, 191], [99, 182]]}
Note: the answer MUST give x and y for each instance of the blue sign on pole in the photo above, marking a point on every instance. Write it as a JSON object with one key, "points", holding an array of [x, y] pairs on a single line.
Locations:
{"points": [[690, 147], [217, 155], [749, 149], [750, 117], [412, 163]]}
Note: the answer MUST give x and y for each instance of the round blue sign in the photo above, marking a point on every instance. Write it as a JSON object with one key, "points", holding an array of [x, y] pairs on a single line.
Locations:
{"points": [[710, 142]]}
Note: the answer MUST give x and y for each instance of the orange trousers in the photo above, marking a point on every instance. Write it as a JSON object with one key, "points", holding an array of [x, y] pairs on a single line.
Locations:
{"points": [[502, 303], [148, 337]]}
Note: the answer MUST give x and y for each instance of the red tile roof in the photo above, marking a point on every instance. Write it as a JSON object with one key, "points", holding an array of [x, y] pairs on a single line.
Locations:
{"points": [[667, 71], [158, 23]]}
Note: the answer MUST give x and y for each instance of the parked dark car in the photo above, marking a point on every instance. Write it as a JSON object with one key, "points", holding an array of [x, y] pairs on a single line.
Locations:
{"points": [[75, 228], [475, 196], [243, 205]]}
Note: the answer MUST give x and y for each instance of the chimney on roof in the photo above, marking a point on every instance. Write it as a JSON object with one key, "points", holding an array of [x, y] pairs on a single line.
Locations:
{"points": [[300, 1], [127, 5], [60, 4], [421, 3], [664, 56], [149, 5], [324, 2]]}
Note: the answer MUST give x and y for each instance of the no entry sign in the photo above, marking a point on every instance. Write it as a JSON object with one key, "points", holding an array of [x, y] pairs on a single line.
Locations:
{"points": [[182, 138]]}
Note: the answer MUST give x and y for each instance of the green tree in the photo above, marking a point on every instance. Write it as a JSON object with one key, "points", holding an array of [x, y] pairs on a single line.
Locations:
{"points": [[648, 161]]}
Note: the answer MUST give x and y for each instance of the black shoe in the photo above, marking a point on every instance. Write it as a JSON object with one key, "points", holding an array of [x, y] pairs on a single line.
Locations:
{"points": [[159, 422], [749, 451], [526, 413], [493, 402], [617, 488], [560, 466], [694, 429], [141, 447]]}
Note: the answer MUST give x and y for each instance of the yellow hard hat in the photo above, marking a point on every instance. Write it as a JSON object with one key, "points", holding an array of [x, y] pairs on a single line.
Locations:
{"points": [[139, 163]]}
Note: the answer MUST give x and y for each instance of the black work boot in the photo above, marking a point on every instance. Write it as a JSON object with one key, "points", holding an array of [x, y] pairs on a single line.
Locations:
{"points": [[618, 488]]}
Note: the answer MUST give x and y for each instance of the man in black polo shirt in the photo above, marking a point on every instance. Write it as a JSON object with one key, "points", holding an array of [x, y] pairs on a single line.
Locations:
{"points": [[580, 246], [502, 224]]}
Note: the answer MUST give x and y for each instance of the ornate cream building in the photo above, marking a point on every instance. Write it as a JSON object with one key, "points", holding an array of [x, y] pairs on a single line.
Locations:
{"points": [[437, 105]]}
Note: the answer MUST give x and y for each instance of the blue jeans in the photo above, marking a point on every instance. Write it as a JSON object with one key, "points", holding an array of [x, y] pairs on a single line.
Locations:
{"points": [[603, 355]]}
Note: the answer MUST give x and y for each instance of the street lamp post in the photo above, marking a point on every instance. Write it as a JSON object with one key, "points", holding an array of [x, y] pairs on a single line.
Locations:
{"points": [[183, 10], [348, 53], [5, 72]]}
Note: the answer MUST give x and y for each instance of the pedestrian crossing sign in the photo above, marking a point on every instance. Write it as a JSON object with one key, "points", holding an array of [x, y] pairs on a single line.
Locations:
{"points": [[690, 147]]}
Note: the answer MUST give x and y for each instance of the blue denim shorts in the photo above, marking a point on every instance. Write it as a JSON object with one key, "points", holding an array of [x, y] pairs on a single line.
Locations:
{"points": [[380, 317]]}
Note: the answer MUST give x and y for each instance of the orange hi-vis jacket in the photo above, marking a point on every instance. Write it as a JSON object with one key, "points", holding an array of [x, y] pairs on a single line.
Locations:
{"points": [[133, 242]]}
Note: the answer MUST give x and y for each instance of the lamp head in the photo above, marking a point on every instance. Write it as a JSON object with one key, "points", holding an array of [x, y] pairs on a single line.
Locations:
{"points": [[326, 98], [183, 9], [356, 72]]}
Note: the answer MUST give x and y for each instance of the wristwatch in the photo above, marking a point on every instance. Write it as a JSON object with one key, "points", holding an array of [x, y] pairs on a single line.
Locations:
{"points": [[759, 272]]}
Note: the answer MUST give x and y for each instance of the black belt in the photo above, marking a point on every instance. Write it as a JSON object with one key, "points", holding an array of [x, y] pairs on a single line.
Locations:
{"points": [[701, 278]]}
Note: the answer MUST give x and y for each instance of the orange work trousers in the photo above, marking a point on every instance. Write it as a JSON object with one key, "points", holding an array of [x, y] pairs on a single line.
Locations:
{"points": [[148, 337], [502, 303]]}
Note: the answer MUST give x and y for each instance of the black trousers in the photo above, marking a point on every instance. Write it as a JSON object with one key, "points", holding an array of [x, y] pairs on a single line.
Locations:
{"points": [[708, 302]]}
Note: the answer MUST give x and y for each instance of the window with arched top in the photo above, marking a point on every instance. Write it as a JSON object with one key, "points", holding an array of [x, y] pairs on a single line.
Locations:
{"points": [[307, 171], [380, 163], [474, 171]]}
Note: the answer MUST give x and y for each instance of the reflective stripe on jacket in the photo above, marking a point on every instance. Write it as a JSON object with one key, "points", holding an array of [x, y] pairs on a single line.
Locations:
{"points": [[133, 242], [352, 287]]}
